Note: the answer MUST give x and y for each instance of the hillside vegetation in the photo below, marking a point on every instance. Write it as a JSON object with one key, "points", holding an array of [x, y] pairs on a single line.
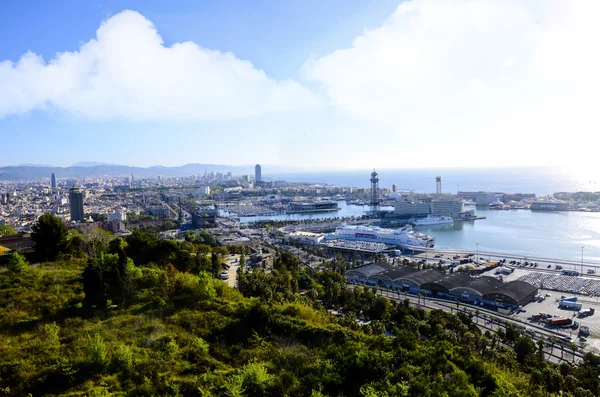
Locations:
{"points": [[103, 324]]}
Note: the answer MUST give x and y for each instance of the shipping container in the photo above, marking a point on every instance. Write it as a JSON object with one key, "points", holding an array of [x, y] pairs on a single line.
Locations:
{"points": [[569, 299], [570, 305], [559, 321]]}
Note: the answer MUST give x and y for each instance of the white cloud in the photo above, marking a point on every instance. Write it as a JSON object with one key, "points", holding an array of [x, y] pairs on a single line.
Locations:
{"points": [[128, 73], [460, 74]]}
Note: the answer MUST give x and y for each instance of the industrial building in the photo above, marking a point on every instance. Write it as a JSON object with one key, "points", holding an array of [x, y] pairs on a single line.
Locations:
{"points": [[513, 293], [363, 274], [455, 286], [476, 289], [393, 276]]}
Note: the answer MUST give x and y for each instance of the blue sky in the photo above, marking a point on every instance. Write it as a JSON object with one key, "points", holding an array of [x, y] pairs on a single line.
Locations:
{"points": [[333, 84]]}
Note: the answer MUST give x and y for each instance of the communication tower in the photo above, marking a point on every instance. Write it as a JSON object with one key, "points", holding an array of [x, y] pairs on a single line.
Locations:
{"points": [[374, 191], [438, 185]]}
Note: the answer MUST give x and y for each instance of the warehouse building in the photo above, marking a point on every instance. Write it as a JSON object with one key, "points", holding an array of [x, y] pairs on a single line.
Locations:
{"points": [[391, 277], [413, 282], [364, 274], [474, 291], [511, 294], [441, 287], [481, 290]]}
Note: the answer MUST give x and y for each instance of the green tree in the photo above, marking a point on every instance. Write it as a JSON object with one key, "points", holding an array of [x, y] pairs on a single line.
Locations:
{"points": [[206, 286], [106, 278], [17, 263], [524, 348], [191, 236], [6, 230], [242, 260], [50, 236], [216, 264]]}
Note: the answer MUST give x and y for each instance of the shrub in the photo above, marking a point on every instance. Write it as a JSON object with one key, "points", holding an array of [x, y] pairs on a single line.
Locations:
{"points": [[124, 357], [98, 353], [50, 336], [201, 345], [172, 348], [17, 263]]}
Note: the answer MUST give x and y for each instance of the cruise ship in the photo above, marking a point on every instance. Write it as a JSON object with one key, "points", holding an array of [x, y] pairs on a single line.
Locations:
{"points": [[403, 237], [432, 220]]}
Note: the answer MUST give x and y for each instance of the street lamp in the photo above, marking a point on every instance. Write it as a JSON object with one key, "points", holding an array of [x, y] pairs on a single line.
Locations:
{"points": [[582, 259], [477, 253]]}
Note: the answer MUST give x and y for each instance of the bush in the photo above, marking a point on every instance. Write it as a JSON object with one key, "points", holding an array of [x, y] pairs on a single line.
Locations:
{"points": [[172, 348], [124, 358], [17, 263], [201, 345], [98, 353], [50, 336]]}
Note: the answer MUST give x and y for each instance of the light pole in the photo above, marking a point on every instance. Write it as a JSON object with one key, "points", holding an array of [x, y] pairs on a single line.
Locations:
{"points": [[477, 253], [582, 260]]}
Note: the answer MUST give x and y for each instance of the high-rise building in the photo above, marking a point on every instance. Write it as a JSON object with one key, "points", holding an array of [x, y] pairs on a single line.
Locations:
{"points": [[53, 181], [76, 204], [395, 188], [257, 173]]}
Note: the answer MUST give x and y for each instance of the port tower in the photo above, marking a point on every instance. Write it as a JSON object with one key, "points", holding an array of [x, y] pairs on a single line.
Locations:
{"points": [[438, 185], [374, 191]]}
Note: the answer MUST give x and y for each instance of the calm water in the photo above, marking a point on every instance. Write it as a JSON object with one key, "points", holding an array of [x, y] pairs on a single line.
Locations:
{"points": [[541, 181], [545, 234]]}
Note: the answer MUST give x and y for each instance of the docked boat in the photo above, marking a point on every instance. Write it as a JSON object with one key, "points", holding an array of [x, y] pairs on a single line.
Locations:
{"points": [[432, 220], [403, 237], [497, 205]]}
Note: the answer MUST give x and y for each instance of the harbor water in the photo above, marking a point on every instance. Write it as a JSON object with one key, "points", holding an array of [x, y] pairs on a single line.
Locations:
{"points": [[529, 233]]}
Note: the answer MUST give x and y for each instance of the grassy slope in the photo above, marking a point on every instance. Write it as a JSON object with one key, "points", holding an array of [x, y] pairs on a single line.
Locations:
{"points": [[190, 348]]}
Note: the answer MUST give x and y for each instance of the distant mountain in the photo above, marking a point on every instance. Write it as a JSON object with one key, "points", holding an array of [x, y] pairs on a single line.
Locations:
{"points": [[33, 165], [31, 172], [90, 164]]}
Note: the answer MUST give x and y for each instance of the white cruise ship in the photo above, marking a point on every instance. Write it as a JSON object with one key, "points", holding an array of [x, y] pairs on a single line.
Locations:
{"points": [[432, 220], [403, 237]]}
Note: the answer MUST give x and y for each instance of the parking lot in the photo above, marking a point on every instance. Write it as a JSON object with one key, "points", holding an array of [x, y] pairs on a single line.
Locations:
{"points": [[550, 306]]}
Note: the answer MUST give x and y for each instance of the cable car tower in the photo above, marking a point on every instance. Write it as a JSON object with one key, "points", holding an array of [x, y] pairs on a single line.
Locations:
{"points": [[374, 192]]}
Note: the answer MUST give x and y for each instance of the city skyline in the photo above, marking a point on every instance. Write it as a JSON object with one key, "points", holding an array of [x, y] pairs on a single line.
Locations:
{"points": [[390, 84]]}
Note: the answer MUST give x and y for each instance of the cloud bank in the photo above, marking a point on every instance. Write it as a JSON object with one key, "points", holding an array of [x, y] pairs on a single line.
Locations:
{"points": [[127, 72], [466, 69]]}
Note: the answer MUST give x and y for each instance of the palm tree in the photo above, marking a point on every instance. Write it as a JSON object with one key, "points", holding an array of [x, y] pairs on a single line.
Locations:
{"points": [[574, 349], [541, 343]]}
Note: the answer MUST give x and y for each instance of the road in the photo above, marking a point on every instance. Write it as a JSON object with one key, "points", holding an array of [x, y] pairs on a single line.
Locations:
{"points": [[511, 256], [487, 320]]}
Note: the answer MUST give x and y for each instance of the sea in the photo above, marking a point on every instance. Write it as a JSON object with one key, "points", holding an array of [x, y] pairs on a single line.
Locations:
{"points": [[559, 235]]}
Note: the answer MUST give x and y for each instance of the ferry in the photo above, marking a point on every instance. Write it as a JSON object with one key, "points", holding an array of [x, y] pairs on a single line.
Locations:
{"points": [[403, 237], [432, 220]]}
